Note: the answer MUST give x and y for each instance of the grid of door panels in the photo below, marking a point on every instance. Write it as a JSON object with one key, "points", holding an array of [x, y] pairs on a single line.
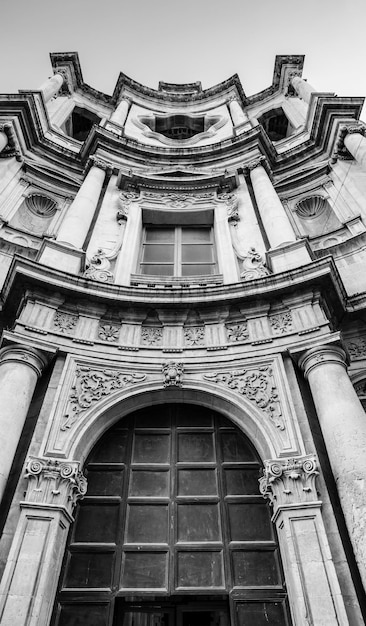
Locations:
{"points": [[173, 507]]}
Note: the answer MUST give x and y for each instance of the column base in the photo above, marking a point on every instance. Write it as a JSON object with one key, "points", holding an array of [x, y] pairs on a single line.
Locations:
{"points": [[289, 255], [61, 256]]}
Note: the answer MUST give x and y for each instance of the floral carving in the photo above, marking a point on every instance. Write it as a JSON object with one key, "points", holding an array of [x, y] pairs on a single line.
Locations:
{"points": [[98, 268], [290, 481], [125, 200], [257, 385], [173, 373], [253, 265], [65, 322], [357, 348], [90, 385], [108, 332], [237, 332], [194, 335], [54, 482], [281, 323], [151, 336], [232, 204]]}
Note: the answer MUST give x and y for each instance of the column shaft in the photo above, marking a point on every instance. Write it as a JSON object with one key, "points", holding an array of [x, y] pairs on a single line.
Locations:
{"points": [[20, 369], [106, 229], [356, 145], [79, 216], [120, 114], [3, 140], [225, 250], [247, 232], [302, 88], [127, 260], [237, 113], [275, 221], [51, 86], [343, 423]]}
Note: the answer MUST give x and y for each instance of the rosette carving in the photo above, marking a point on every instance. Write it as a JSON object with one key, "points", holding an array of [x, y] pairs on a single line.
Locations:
{"points": [[53, 482], [290, 481]]}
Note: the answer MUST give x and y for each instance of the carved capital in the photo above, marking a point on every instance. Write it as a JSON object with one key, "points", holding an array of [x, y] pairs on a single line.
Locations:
{"points": [[5, 128], [95, 162], [322, 355], [255, 163], [290, 481], [172, 373], [24, 355], [54, 483]]}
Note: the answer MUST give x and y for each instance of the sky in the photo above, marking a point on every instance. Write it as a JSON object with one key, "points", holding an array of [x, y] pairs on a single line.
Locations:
{"points": [[206, 40]]}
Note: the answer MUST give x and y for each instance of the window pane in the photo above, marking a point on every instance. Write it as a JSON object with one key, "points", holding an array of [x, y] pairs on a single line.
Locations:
{"points": [[158, 253], [196, 235], [158, 270], [196, 253], [197, 270], [160, 235]]}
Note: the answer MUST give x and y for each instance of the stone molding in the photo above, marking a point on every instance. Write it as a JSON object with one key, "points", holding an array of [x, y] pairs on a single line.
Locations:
{"points": [[54, 483], [32, 357], [257, 385], [290, 481], [320, 356]]}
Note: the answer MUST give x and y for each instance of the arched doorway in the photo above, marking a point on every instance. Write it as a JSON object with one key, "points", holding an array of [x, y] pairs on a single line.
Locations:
{"points": [[173, 531]]}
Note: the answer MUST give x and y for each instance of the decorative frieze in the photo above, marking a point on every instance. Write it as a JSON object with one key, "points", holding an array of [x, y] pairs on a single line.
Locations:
{"points": [[65, 323], [194, 336], [237, 332], [290, 481], [281, 323], [91, 385], [151, 336], [53, 482], [257, 385], [172, 374], [108, 332]]}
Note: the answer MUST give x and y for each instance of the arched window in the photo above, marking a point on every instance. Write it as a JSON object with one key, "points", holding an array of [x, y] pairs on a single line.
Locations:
{"points": [[173, 531]]}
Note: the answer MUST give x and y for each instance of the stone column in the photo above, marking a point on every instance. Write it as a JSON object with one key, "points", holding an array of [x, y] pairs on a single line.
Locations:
{"points": [[3, 137], [237, 113], [248, 231], [313, 588], [355, 143], [275, 221], [302, 88], [131, 246], [79, 216], [343, 423], [51, 86], [29, 583], [119, 116], [20, 368]]}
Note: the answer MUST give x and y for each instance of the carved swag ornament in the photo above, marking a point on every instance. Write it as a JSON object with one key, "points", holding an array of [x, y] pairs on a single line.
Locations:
{"points": [[54, 482], [257, 385], [90, 385]]}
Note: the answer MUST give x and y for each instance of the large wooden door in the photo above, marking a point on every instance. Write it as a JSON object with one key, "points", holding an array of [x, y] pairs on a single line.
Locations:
{"points": [[173, 509]]}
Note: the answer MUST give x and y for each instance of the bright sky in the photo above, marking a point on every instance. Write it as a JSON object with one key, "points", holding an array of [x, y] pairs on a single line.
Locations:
{"points": [[206, 40]]}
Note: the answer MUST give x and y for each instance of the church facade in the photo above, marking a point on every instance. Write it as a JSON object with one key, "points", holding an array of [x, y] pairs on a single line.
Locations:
{"points": [[183, 354]]}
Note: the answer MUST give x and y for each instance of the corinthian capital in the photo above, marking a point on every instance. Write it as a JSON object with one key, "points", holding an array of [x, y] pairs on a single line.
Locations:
{"points": [[54, 483], [290, 481], [94, 161]]}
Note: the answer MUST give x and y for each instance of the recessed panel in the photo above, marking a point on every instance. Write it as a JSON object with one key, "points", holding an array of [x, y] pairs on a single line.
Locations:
{"points": [[200, 569], [198, 522], [235, 448], [197, 417], [196, 447], [145, 570], [89, 570], [105, 482], [92, 614], [250, 522], [147, 523], [151, 448], [197, 482], [261, 614], [149, 483], [255, 568], [97, 523], [111, 449], [242, 481]]}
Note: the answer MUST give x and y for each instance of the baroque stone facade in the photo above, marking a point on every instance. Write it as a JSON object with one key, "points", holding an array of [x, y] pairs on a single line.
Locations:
{"points": [[183, 293]]}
